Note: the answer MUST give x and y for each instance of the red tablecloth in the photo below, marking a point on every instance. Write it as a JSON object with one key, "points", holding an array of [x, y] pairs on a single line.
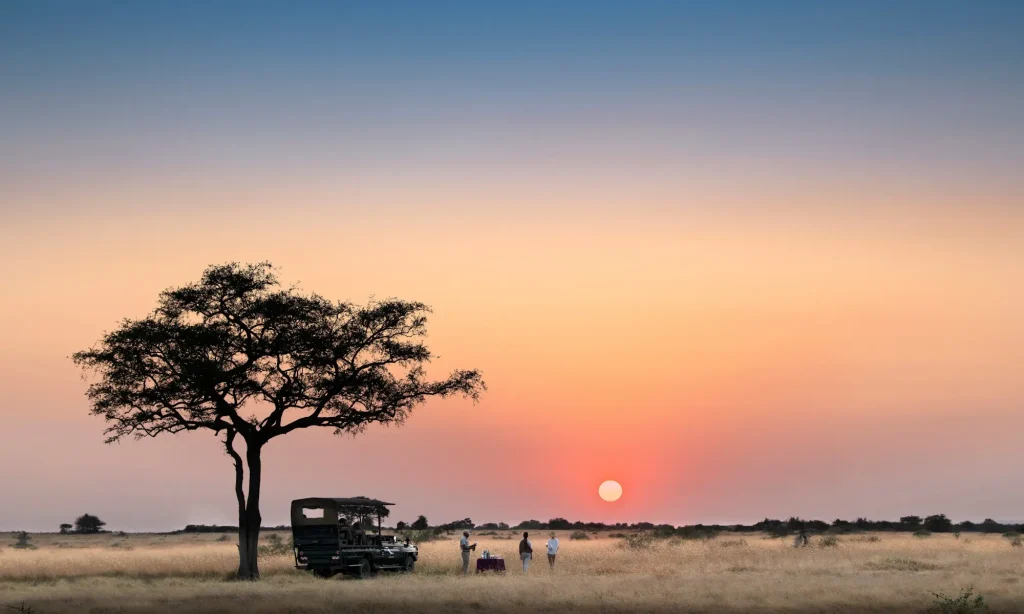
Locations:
{"points": [[490, 565]]}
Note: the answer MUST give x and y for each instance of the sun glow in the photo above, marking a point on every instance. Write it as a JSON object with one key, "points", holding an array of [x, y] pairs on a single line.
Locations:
{"points": [[610, 490]]}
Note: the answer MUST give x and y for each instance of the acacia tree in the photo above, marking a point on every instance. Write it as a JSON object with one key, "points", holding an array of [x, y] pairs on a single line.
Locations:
{"points": [[87, 523], [237, 355]]}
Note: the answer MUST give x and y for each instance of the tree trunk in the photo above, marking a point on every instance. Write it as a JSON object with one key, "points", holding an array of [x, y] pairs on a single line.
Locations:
{"points": [[249, 519]]}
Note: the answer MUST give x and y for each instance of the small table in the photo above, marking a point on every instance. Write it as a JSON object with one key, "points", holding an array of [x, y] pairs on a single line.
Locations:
{"points": [[491, 564]]}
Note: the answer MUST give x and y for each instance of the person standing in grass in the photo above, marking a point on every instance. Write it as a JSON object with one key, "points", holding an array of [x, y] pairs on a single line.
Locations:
{"points": [[465, 546], [552, 550], [526, 551]]}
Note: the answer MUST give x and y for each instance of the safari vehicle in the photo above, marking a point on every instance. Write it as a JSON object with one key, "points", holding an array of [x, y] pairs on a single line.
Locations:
{"points": [[329, 538]]}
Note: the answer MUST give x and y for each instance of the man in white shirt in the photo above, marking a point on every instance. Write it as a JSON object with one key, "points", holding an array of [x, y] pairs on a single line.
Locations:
{"points": [[552, 550], [465, 546]]}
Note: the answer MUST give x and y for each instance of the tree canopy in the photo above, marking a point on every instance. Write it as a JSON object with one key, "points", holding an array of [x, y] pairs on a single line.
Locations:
{"points": [[87, 523], [211, 348]]}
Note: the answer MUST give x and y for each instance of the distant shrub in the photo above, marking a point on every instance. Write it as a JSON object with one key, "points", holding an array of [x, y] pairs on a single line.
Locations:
{"points": [[956, 534], [120, 534], [23, 541], [922, 533], [828, 541], [901, 564], [695, 533], [864, 538], [732, 543], [638, 541], [1011, 535], [1016, 542], [840, 530], [121, 546], [965, 602], [223, 538], [579, 535], [275, 546], [617, 535], [423, 536]]}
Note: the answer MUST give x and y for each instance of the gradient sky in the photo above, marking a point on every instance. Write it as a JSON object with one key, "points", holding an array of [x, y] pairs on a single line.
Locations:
{"points": [[749, 259]]}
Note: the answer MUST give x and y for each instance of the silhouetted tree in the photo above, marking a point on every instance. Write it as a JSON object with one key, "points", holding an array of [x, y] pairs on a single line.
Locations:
{"points": [[991, 526], [938, 524], [23, 541], [87, 523], [400, 525], [237, 355], [421, 524], [65, 527], [910, 522]]}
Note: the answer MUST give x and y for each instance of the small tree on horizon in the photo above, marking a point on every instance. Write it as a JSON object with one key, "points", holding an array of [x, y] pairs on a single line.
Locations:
{"points": [[87, 523], [23, 541], [938, 523], [421, 524], [239, 357], [65, 527]]}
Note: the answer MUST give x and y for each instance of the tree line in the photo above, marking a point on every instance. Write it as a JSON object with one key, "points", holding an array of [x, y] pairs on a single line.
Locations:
{"points": [[936, 523]]}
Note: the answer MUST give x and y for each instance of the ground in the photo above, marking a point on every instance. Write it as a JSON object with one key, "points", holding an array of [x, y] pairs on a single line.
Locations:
{"points": [[734, 573]]}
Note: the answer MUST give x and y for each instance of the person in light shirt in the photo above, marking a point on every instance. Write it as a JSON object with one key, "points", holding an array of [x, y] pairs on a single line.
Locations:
{"points": [[465, 546], [552, 550]]}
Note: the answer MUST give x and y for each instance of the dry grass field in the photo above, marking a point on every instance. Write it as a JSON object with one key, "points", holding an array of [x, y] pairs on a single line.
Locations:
{"points": [[734, 573]]}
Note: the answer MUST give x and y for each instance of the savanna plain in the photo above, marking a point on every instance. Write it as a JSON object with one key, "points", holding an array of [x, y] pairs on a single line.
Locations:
{"points": [[867, 572]]}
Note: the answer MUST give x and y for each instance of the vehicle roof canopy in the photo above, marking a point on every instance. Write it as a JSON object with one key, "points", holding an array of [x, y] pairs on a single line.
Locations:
{"points": [[332, 506]]}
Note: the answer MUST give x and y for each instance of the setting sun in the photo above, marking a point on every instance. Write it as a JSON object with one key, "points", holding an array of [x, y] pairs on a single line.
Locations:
{"points": [[610, 490]]}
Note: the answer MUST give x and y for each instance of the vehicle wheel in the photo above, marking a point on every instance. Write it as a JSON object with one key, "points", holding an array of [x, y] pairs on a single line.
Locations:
{"points": [[365, 568], [323, 573], [409, 565]]}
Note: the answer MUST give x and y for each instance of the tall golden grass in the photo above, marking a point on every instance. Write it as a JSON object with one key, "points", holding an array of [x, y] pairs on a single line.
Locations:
{"points": [[146, 573]]}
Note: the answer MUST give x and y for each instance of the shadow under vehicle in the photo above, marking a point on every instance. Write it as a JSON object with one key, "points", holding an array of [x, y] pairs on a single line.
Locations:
{"points": [[329, 538]]}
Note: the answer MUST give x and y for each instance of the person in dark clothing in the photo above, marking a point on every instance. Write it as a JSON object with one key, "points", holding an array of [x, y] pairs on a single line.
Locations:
{"points": [[526, 552]]}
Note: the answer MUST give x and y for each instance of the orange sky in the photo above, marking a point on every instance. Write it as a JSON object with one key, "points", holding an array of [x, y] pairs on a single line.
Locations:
{"points": [[712, 361]]}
